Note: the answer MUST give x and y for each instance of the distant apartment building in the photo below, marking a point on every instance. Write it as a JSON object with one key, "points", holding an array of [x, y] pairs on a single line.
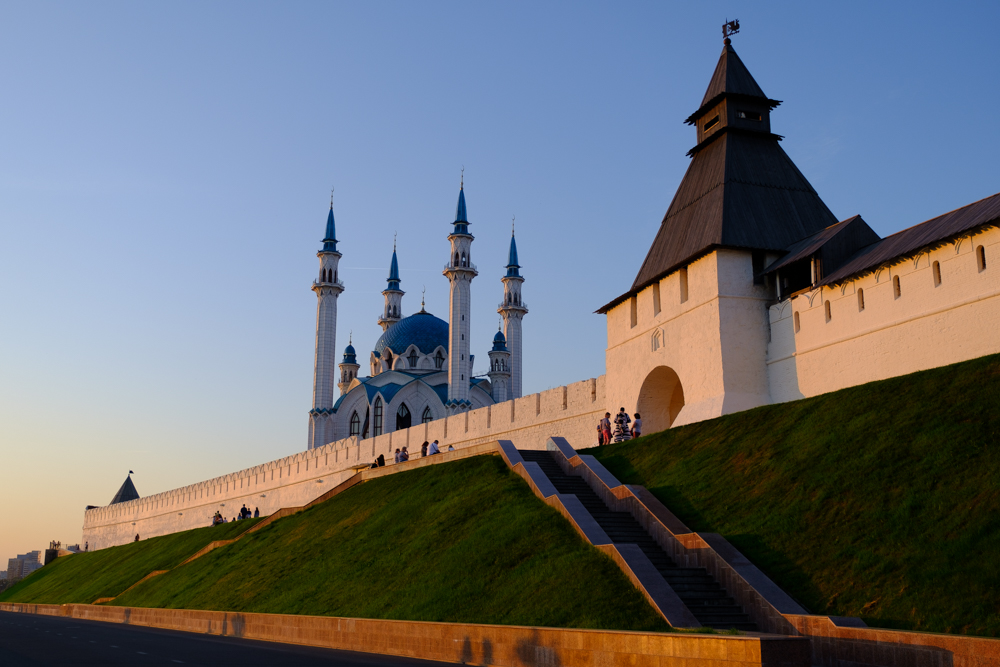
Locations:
{"points": [[23, 565]]}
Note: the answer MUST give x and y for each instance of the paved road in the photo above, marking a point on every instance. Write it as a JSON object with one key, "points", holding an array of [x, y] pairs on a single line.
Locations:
{"points": [[30, 641]]}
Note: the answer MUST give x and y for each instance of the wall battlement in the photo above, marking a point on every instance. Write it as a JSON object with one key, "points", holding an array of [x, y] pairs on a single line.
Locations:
{"points": [[571, 411]]}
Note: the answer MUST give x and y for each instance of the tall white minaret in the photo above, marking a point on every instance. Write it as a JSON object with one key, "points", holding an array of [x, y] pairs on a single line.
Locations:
{"points": [[392, 311], [513, 311], [460, 271], [327, 287]]}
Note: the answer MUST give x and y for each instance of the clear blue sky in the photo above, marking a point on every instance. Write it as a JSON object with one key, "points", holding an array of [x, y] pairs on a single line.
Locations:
{"points": [[165, 171]]}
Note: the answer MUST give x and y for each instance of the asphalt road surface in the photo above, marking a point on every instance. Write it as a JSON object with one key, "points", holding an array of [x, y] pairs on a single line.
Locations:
{"points": [[27, 640]]}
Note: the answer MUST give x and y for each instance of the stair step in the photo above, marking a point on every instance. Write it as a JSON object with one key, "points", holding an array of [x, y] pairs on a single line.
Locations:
{"points": [[707, 600]]}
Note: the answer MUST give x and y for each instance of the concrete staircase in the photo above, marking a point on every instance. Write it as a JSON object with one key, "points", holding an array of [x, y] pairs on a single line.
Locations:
{"points": [[702, 595]]}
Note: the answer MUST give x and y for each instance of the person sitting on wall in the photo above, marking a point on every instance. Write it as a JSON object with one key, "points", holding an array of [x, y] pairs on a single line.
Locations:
{"points": [[450, 448], [404, 455], [423, 449], [433, 449], [396, 460]]}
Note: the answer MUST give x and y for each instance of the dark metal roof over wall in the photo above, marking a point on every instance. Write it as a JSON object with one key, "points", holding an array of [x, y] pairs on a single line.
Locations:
{"points": [[126, 493], [925, 235], [741, 191]]}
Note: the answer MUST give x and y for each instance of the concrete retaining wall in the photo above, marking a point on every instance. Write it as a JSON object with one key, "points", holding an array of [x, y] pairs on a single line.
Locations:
{"points": [[514, 646]]}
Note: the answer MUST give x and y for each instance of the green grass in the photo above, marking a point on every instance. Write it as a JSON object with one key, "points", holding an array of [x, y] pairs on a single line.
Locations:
{"points": [[459, 542], [880, 501], [86, 577]]}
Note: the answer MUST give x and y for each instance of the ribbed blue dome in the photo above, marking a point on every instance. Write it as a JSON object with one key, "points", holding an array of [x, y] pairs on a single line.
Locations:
{"points": [[499, 342], [350, 356], [421, 329]]}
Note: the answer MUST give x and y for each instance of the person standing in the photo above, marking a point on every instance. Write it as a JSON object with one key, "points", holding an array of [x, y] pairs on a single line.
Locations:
{"points": [[606, 428], [256, 512], [423, 449], [622, 420], [637, 426]]}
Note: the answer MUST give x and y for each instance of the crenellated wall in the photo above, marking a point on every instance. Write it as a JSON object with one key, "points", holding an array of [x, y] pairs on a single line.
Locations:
{"points": [[571, 411]]}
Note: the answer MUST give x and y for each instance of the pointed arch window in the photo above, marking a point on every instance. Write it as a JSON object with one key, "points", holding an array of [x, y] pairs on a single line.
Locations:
{"points": [[427, 416], [438, 359], [403, 417], [355, 423], [412, 358], [377, 421]]}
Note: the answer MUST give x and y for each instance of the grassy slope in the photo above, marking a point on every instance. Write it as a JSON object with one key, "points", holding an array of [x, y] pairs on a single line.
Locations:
{"points": [[879, 501], [462, 542], [106, 573]]}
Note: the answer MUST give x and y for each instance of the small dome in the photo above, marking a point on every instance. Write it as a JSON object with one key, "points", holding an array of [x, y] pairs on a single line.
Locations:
{"points": [[499, 338], [499, 342], [349, 350], [421, 329]]}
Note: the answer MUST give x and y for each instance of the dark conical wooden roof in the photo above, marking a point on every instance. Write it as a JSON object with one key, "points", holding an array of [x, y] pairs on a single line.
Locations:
{"points": [[126, 493], [741, 189]]}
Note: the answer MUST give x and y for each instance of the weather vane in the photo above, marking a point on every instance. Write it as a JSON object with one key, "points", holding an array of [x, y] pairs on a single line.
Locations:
{"points": [[730, 28]]}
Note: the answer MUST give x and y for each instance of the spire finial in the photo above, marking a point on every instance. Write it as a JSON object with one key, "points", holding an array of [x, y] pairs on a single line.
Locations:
{"points": [[729, 28], [394, 241], [350, 338], [331, 197], [499, 324], [512, 218], [423, 292], [461, 185]]}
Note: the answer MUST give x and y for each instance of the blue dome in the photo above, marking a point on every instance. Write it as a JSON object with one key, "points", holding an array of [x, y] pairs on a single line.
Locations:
{"points": [[499, 342], [499, 338], [421, 329]]}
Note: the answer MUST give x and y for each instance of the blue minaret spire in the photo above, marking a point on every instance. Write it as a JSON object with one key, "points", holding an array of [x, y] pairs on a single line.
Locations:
{"points": [[461, 216], [393, 310], [512, 265], [330, 240]]}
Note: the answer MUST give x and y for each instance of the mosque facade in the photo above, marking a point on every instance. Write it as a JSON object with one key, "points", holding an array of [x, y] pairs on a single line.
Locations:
{"points": [[421, 368]]}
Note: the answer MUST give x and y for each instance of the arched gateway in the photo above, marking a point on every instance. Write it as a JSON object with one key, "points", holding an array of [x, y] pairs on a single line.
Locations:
{"points": [[660, 399]]}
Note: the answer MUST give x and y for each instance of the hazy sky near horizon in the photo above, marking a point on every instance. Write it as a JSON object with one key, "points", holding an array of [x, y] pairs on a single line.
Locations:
{"points": [[165, 171]]}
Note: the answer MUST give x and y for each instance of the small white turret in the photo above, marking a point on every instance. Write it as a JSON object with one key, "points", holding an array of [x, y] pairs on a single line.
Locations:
{"points": [[460, 271], [513, 310]]}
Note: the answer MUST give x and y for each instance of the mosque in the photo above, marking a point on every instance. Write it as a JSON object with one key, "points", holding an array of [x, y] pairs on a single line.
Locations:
{"points": [[422, 366]]}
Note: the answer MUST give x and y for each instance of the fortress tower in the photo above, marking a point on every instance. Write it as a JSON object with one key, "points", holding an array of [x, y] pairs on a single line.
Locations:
{"points": [[460, 271], [327, 287], [513, 310], [392, 312]]}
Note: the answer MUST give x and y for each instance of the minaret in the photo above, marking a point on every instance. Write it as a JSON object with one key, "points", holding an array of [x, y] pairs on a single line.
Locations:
{"points": [[348, 367], [513, 310], [460, 271], [500, 368], [327, 287], [392, 312]]}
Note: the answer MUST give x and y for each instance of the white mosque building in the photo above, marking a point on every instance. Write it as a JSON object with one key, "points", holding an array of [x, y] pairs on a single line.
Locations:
{"points": [[421, 367]]}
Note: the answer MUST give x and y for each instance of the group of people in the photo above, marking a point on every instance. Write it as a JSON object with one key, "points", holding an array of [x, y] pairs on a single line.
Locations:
{"points": [[426, 449], [622, 431], [245, 513]]}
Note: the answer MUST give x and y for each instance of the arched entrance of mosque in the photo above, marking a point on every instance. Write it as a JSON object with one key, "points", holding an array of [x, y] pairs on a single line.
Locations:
{"points": [[403, 417], [660, 399]]}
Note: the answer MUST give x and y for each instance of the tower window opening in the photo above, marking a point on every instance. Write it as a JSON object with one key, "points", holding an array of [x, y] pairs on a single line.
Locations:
{"points": [[748, 115], [427, 416], [936, 270], [656, 298], [355, 423], [335, 275], [981, 258], [795, 319], [896, 291], [378, 416], [456, 259], [861, 300], [826, 307], [712, 123], [683, 275], [633, 316]]}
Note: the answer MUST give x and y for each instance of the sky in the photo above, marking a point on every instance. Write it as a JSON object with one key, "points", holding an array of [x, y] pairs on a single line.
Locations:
{"points": [[166, 167]]}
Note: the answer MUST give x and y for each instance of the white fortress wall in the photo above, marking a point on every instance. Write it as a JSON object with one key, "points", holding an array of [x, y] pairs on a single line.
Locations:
{"points": [[571, 411], [873, 333]]}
